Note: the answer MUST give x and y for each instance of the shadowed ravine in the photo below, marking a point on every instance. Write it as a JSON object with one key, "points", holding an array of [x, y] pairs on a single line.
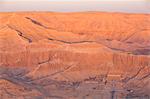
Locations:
{"points": [[45, 87]]}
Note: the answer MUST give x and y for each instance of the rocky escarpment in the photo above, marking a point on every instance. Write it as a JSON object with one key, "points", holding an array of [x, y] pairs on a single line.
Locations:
{"points": [[70, 52]]}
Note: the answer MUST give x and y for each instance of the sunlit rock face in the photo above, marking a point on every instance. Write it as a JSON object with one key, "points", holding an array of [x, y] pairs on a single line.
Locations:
{"points": [[47, 55]]}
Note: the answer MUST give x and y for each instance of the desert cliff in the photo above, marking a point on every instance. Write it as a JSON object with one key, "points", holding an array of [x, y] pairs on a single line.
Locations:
{"points": [[45, 51]]}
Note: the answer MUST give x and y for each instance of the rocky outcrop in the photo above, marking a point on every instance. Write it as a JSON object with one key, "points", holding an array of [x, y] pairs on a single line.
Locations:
{"points": [[73, 49]]}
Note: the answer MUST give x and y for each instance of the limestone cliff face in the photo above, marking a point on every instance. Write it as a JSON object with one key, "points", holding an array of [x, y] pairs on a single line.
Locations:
{"points": [[76, 46]]}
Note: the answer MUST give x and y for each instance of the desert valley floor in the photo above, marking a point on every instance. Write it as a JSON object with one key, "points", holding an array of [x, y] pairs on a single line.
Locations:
{"points": [[86, 55]]}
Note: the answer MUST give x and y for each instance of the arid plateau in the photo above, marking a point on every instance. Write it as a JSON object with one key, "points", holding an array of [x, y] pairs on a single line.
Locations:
{"points": [[80, 55]]}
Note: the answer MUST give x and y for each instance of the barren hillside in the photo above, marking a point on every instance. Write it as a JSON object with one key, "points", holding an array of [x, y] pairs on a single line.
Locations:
{"points": [[44, 55]]}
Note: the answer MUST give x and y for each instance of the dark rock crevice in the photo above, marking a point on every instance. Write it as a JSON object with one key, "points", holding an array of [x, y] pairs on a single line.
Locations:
{"points": [[45, 61], [72, 42], [36, 22], [127, 79], [20, 34], [141, 52], [53, 74]]}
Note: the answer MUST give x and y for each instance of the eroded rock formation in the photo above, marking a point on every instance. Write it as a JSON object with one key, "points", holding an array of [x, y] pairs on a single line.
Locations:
{"points": [[45, 55]]}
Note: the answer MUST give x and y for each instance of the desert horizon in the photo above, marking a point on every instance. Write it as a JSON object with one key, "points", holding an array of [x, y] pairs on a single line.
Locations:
{"points": [[74, 54], [128, 6]]}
